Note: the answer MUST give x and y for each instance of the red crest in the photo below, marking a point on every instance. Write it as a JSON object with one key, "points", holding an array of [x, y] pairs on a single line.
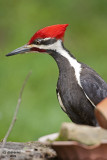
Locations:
{"points": [[54, 31]]}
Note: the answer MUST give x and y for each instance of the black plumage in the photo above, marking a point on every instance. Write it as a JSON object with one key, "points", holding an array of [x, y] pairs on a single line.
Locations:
{"points": [[79, 101], [79, 88], [94, 86]]}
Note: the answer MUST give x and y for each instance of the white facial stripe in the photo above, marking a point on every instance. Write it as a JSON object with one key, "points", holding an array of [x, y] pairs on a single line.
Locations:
{"points": [[47, 47], [57, 46]]}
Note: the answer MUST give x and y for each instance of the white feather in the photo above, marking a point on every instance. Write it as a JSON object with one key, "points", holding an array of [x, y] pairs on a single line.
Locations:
{"points": [[60, 102], [57, 46]]}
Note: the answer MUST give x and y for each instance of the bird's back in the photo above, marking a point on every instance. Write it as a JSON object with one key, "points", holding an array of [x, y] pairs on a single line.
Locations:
{"points": [[93, 85]]}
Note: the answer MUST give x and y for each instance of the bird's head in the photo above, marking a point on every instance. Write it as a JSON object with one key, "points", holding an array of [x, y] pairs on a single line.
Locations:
{"points": [[43, 40]]}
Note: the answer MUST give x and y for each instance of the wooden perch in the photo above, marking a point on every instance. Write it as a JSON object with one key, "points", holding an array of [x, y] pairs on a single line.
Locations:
{"points": [[27, 151]]}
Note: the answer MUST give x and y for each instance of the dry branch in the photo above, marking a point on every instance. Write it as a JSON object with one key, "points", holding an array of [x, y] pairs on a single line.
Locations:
{"points": [[15, 113]]}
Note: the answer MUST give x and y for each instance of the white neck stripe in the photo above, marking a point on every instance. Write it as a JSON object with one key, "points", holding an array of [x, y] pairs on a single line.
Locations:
{"points": [[57, 46], [77, 67], [73, 62]]}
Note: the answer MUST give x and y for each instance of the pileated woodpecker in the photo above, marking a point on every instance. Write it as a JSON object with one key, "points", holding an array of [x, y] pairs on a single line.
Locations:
{"points": [[79, 88]]}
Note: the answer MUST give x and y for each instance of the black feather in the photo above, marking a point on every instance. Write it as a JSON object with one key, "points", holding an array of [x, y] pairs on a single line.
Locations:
{"points": [[93, 85]]}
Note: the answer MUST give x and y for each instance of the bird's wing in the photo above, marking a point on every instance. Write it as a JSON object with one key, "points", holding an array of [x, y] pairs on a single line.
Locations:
{"points": [[93, 85]]}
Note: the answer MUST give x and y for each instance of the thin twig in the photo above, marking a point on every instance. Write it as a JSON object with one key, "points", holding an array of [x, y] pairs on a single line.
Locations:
{"points": [[15, 113]]}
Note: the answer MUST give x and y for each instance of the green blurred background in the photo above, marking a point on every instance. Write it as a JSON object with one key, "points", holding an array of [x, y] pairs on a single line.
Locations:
{"points": [[86, 37]]}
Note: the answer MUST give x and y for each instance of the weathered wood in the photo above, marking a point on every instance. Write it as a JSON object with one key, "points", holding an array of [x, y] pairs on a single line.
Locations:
{"points": [[27, 151], [84, 134]]}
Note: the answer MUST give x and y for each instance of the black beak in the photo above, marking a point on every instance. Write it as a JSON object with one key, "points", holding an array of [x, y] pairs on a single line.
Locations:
{"points": [[23, 49]]}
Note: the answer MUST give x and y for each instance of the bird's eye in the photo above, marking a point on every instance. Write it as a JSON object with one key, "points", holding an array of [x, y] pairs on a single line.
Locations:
{"points": [[37, 42]]}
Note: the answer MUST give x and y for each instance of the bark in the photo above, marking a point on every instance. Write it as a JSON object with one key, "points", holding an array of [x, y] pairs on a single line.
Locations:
{"points": [[27, 151]]}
